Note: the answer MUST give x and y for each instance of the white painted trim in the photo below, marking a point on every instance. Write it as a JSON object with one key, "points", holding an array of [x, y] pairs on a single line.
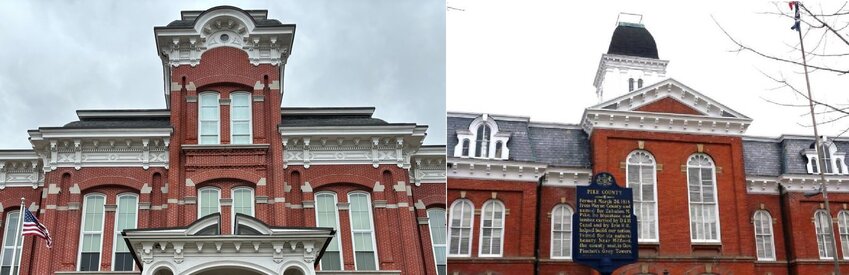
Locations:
{"points": [[117, 234], [200, 115], [217, 201], [493, 116], [716, 199], [59, 133], [653, 168], [337, 226], [430, 228], [844, 213], [250, 116], [771, 235], [828, 234], [471, 168], [551, 232], [83, 232], [503, 228], [16, 232], [661, 122], [233, 203], [471, 227], [371, 222]]}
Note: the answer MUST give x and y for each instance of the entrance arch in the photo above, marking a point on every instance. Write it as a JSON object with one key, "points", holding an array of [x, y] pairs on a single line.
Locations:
{"points": [[229, 271], [293, 271]]}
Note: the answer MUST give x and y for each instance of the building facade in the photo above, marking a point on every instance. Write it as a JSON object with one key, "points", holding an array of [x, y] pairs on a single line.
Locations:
{"points": [[223, 180], [708, 198]]}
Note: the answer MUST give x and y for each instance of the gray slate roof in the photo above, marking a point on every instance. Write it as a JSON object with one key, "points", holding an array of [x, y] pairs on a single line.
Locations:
{"points": [[291, 121], [781, 156], [119, 123]]}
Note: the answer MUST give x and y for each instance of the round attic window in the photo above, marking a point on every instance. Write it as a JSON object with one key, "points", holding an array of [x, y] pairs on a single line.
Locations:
{"points": [[224, 37]]}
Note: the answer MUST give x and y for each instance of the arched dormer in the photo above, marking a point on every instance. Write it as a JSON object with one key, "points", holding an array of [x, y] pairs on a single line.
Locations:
{"points": [[833, 161], [483, 140]]}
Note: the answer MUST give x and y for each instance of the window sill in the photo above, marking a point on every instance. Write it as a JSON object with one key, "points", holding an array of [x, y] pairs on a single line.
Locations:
{"points": [[223, 146]]}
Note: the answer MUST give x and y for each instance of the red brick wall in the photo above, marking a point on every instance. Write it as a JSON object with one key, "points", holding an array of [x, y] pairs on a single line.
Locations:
{"points": [[668, 105]]}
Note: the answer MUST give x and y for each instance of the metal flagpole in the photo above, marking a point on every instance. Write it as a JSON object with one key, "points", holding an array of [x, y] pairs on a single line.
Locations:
{"points": [[18, 237], [823, 185]]}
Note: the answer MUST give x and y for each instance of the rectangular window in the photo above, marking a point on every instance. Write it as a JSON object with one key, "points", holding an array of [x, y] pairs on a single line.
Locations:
{"points": [[243, 201], [91, 233], [208, 119], [365, 255], [125, 218], [327, 215], [11, 253], [208, 201], [438, 232], [240, 118]]}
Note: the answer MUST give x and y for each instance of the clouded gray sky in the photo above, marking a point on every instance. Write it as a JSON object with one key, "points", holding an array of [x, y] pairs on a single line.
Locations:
{"points": [[538, 58], [60, 56]]}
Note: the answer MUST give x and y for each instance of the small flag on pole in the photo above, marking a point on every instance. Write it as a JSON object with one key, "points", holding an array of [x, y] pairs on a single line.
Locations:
{"points": [[795, 4], [34, 227]]}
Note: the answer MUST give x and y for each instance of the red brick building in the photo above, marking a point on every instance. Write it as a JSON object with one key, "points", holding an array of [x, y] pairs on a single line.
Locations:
{"points": [[708, 199], [223, 180]]}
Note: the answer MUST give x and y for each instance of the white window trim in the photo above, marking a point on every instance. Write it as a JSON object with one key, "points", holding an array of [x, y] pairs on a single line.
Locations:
{"points": [[371, 221], [716, 200], [82, 231], [654, 184], [250, 116], [471, 227], [551, 231], [433, 246], [233, 203], [6, 239], [771, 235], [494, 138], [338, 228], [817, 235], [503, 227], [843, 213], [200, 110], [115, 224], [837, 159], [218, 200]]}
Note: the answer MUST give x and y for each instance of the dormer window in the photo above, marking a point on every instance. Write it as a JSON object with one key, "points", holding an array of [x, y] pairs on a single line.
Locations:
{"points": [[639, 83], [832, 161], [489, 143], [630, 84]]}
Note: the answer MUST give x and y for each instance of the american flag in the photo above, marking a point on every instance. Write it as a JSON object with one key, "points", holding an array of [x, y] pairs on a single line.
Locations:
{"points": [[34, 227]]}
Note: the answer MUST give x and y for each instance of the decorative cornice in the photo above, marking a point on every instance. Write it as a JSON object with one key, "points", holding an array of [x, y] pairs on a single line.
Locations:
{"points": [[20, 168], [795, 183], [659, 122], [375, 145], [90, 151], [494, 169], [428, 165]]}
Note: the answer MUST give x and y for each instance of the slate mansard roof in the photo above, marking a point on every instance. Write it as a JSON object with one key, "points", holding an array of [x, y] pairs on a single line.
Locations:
{"points": [[187, 20], [632, 40], [782, 155]]}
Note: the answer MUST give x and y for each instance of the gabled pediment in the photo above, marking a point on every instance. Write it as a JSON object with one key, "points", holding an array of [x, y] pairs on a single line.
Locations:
{"points": [[666, 106], [672, 97]]}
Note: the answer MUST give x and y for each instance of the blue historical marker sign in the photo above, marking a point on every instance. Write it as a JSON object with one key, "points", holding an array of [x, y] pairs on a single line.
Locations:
{"points": [[604, 226]]}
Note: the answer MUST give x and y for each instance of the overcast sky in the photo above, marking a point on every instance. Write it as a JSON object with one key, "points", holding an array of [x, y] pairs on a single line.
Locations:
{"points": [[539, 58], [60, 56]]}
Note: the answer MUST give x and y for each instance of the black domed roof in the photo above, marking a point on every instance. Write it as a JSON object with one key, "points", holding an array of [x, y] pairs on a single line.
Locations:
{"points": [[632, 40]]}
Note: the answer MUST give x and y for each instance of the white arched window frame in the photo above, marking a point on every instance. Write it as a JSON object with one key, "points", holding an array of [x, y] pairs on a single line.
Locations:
{"points": [[491, 242], [460, 228], [126, 217], [561, 232], [362, 231], [834, 161], [843, 227], [764, 240], [822, 228], [486, 126], [243, 202], [327, 215], [90, 251], [704, 208], [209, 117], [630, 84], [11, 253], [241, 118], [642, 179], [209, 201], [436, 223]]}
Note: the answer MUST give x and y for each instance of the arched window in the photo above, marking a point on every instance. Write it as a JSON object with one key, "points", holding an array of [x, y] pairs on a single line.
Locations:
{"points": [[208, 201], [125, 218], [561, 232], [243, 201], [822, 225], [701, 183], [465, 147], [630, 84], [643, 182], [492, 229], [763, 236], [240, 118], [843, 226], [832, 159], [362, 231], [482, 142], [436, 221], [327, 215], [91, 233], [11, 252], [639, 83], [498, 150], [460, 224], [208, 125]]}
